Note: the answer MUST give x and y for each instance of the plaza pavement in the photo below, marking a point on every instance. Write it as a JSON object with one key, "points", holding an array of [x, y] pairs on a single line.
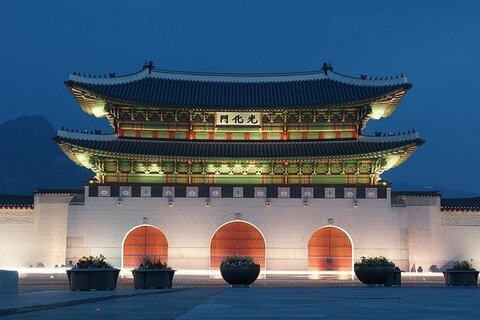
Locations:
{"points": [[274, 299]]}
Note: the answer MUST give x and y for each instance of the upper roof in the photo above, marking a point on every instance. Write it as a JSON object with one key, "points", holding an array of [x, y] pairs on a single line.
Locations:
{"points": [[460, 204], [135, 148], [16, 201], [214, 91]]}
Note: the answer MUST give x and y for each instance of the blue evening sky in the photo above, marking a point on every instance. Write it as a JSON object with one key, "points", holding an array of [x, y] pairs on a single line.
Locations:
{"points": [[435, 43]]}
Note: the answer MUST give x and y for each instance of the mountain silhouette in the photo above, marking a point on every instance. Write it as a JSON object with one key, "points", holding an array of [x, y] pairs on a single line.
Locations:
{"points": [[30, 160]]}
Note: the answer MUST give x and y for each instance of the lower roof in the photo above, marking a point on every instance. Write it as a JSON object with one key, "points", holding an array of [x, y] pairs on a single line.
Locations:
{"points": [[264, 150]]}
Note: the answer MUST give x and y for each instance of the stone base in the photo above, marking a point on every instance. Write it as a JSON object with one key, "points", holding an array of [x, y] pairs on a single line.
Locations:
{"points": [[8, 282]]}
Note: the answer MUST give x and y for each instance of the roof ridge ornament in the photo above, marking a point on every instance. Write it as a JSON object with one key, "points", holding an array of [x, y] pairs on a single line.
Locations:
{"points": [[148, 66], [326, 67]]}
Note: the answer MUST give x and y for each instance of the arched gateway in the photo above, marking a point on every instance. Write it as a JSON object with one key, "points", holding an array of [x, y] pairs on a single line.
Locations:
{"points": [[329, 249], [237, 238], [144, 241]]}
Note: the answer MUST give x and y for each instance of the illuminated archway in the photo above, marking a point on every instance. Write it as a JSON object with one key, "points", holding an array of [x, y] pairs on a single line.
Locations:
{"points": [[237, 238], [330, 249], [144, 241]]}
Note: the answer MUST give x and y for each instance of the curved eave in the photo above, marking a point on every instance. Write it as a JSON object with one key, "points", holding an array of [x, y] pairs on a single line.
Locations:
{"points": [[91, 104], [399, 158], [383, 104], [388, 104], [77, 153], [71, 153]]}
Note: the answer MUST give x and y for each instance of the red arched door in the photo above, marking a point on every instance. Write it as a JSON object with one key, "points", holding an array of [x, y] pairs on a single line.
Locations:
{"points": [[144, 241], [329, 249], [237, 238]]}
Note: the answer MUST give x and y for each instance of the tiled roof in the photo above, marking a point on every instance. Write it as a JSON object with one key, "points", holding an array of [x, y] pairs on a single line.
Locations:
{"points": [[59, 191], [235, 92], [16, 201], [416, 193], [460, 204], [237, 149]]}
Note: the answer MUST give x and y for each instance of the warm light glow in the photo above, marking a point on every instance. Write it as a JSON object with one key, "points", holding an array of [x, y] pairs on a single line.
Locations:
{"points": [[84, 159], [392, 161], [215, 273], [98, 110], [378, 110]]}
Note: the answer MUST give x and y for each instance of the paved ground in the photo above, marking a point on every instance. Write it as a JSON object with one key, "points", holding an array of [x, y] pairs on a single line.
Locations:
{"points": [[37, 282], [247, 303], [277, 297], [341, 303]]}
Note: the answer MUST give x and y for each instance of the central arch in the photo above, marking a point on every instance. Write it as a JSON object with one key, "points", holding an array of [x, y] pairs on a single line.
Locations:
{"points": [[237, 238], [144, 241], [330, 249]]}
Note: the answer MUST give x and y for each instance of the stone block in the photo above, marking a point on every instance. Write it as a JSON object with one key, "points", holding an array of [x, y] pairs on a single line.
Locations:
{"points": [[8, 282]]}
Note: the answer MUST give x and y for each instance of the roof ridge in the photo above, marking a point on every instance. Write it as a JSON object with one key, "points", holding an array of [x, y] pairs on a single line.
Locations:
{"points": [[234, 77], [113, 137], [463, 198], [15, 195]]}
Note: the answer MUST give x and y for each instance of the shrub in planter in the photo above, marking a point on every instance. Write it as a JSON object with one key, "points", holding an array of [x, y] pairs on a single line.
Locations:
{"points": [[152, 273], [239, 271], [462, 274], [374, 270], [92, 273]]}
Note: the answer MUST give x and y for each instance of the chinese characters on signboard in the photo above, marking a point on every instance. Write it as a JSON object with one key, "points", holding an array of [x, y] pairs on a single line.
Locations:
{"points": [[238, 119]]}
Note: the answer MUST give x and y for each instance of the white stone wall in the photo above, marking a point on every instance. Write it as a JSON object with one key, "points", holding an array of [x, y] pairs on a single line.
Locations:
{"points": [[100, 226], [458, 241], [51, 211], [17, 244], [439, 238], [33, 236], [415, 233]]}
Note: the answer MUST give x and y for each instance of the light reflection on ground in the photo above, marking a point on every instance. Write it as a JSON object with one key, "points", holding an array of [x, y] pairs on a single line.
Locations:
{"points": [[46, 273]]}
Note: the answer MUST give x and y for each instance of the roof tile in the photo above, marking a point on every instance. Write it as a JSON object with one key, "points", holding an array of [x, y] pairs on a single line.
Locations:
{"points": [[460, 204], [16, 201]]}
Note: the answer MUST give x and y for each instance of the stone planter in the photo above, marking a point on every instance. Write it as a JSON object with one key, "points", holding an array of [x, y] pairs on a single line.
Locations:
{"points": [[93, 279], [242, 276], [154, 278], [461, 277], [395, 279], [370, 275]]}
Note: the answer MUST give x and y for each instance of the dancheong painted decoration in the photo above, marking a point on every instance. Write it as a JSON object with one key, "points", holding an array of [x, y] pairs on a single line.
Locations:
{"points": [[238, 129]]}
